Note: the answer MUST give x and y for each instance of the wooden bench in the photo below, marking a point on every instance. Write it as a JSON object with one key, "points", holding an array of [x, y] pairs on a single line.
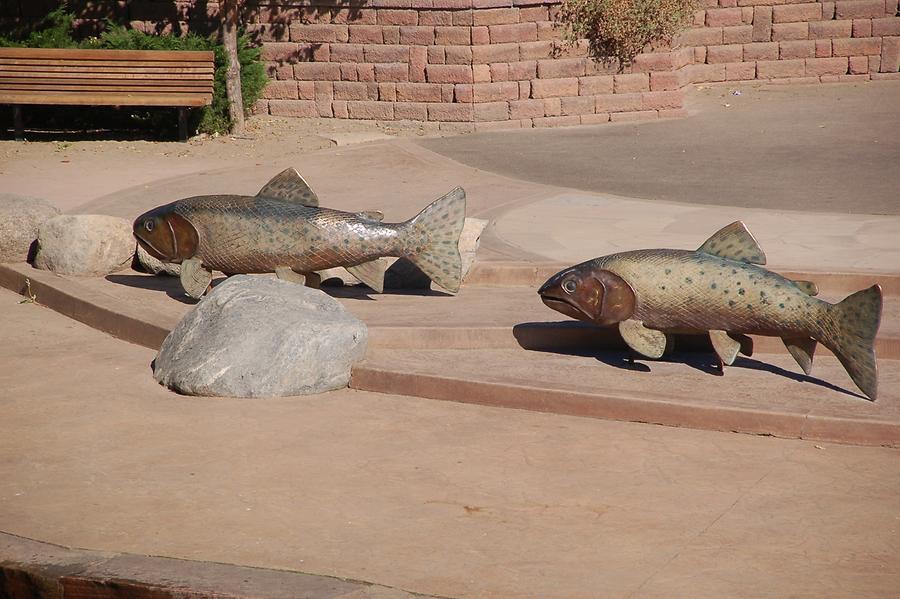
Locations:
{"points": [[105, 78]]}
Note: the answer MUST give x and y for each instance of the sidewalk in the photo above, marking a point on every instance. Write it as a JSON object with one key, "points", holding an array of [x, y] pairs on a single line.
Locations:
{"points": [[449, 498]]}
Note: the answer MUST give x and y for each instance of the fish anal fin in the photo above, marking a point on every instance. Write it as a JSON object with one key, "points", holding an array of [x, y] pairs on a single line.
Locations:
{"points": [[373, 215], [725, 346], [647, 342], [734, 242], [371, 273], [288, 185], [807, 287], [802, 349], [195, 278]]}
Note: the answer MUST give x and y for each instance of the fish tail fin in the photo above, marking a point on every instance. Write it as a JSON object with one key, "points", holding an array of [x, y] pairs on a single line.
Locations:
{"points": [[432, 239], [850, 333]]}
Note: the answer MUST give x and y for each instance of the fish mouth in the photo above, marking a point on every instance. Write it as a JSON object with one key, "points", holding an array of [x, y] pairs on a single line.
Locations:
{"points": [[151, 249], [565, 307]]}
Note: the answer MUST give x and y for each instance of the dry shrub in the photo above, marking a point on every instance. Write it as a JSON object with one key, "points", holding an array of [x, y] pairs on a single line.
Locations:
{"points": [[617, 30]]}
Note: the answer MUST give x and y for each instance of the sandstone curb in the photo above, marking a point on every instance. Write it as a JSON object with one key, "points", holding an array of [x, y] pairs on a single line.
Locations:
{"points": [[30, 568]]}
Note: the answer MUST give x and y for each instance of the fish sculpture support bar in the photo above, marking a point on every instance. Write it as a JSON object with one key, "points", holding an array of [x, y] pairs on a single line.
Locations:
{"points": [[283, 230], [719, 289]]}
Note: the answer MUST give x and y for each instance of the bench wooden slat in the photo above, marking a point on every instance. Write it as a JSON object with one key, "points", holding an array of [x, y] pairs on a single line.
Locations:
{"points": [[137, 89], [105, 99], [116, 76], [102, 63], [70, 53], [88, 68]]}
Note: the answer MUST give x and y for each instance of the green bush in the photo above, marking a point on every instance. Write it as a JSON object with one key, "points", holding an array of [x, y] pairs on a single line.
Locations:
{"points": [[618, 30], [56, 31]]}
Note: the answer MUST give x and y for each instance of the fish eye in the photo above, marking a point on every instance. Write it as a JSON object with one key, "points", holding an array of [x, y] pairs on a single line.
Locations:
{"points": [[569, 286], [149, 224]]}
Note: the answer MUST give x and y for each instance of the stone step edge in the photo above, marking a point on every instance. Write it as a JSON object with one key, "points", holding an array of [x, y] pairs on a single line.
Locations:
{"points": [[623, 407], [132, 325], [30, 568], [533, 275]]}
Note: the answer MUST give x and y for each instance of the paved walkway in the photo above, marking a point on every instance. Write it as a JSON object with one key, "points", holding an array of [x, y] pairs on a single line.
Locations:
{"points": [[432, 497], [828, 148], [462, 500]]}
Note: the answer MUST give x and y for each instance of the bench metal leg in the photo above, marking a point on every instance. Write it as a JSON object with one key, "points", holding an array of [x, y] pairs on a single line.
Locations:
{"points": [[182, 124], [18, 124]]}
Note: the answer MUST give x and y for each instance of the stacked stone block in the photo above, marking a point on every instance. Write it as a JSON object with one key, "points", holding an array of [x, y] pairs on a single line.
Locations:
{"points": [[794, 41], [455, 63]]}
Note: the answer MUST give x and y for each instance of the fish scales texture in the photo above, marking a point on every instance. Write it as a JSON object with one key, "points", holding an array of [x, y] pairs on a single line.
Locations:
{"points": [[680, 290], [254, 234]]}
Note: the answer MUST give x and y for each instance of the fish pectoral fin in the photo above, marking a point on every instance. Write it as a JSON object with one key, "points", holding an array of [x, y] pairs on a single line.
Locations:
{"points": [[647, 342], [807, 287], [373, 215], [802, 348], [725, 346], [734, 242], [288, 185], [286, 273], [370, 273], [195, 278]]}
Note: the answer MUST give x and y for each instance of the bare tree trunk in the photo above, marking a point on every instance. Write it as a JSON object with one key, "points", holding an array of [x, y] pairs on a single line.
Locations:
{"points": [[233, 74]]}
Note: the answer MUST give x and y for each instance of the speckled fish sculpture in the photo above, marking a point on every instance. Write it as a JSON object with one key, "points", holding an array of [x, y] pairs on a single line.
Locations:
{"points": [[283, 230], [718, 289]]}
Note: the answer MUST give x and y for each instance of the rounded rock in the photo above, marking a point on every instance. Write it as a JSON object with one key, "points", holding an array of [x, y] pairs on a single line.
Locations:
{"points": [[156, 267], [255, 336], [85, 245], [20, 219]]}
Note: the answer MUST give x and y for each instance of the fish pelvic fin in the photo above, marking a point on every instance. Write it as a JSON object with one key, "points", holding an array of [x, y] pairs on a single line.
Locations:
{"points": [[850, 333], [432, 239]]}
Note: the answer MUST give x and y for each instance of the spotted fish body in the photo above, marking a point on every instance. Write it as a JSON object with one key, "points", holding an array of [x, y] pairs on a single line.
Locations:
{"points": [[241, 234], [720, 289], [282, 229]]}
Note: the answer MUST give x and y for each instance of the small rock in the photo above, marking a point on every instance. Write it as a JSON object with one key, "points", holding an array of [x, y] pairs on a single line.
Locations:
{"points": [[20, 219], [85, 245], [153, 266], [261, 337]]}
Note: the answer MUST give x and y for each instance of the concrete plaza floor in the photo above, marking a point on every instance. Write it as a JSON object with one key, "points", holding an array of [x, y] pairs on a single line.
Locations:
{"points": [[448, 499]]}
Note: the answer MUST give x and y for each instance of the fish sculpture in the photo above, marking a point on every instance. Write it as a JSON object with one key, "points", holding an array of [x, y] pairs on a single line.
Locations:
{"points": [[721, 290], [283, 230]]}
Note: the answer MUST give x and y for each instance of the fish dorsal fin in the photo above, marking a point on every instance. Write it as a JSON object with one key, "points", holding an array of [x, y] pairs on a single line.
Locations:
{"points": [[807, 287], [373, 215], [371, 273], [288, 185], [734, 242]]}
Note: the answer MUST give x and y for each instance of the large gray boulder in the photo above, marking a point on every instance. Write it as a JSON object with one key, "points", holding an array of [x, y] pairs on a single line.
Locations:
{"points": [[20, 219], [261, 337], [85, 245]]}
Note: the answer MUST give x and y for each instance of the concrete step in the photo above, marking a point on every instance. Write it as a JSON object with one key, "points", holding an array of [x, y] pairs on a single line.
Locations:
{"points": [[766, 395]]}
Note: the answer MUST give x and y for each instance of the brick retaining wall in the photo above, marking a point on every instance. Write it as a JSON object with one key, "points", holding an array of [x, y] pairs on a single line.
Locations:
{"points": [[467, 65]]}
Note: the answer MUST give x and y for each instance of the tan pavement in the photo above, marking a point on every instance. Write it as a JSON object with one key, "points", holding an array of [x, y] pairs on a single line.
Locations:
{"points": [[439, 497], [425, 496]]}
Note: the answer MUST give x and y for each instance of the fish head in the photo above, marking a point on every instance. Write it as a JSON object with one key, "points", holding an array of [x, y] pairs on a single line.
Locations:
{"points": [[166, 235], [588, 293]]}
